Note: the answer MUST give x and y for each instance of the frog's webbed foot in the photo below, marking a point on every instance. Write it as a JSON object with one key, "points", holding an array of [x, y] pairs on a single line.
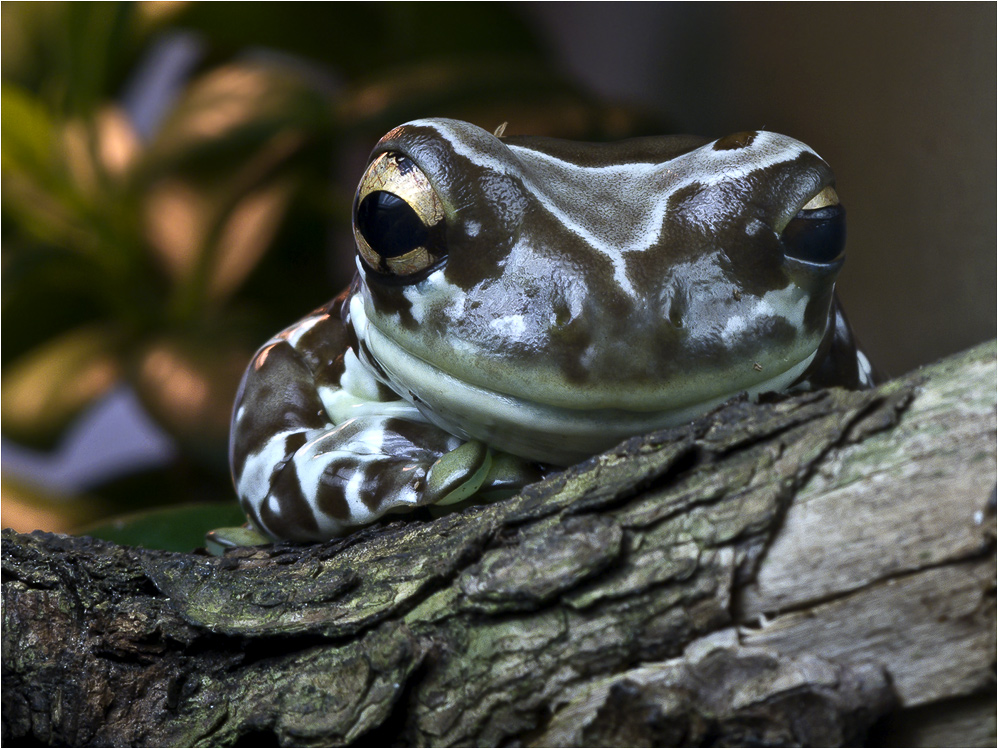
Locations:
{"points": [[220, 539], [473, 471]]}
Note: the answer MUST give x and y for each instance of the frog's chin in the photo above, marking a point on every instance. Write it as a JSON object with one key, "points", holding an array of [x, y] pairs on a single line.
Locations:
{"points": [[538, 431]]}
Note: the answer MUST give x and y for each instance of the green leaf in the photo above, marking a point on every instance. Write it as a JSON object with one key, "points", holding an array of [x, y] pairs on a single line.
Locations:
{"points": [[52, 189], [97, 36], [27, 131], [177, 528], [48, 387]]}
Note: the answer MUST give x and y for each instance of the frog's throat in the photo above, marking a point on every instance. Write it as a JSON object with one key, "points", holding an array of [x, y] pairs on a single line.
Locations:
{"points": [[537, 431]]}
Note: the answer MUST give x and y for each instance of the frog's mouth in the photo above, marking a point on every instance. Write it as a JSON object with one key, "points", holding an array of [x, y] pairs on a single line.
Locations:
{"points": [[531, 429]]}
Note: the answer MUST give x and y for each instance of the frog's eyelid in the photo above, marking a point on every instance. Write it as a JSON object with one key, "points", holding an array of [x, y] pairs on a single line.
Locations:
{"points": [[398, 218], [397, 174], [827, 197]]}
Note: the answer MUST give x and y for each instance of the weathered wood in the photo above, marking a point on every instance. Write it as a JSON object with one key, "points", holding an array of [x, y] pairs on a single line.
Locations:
{"points": [[779, 573]]}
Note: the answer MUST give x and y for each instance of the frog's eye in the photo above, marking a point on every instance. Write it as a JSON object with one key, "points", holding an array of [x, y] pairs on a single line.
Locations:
{"points": [[817, 234], [398, 219]]}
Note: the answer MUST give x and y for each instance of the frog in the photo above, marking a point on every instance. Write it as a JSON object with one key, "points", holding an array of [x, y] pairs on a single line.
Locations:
{"points": [[523, 303]]}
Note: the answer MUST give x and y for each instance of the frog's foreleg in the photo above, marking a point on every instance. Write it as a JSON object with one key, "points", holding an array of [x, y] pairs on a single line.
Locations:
{"points": [[302, 476], [319, 447]]}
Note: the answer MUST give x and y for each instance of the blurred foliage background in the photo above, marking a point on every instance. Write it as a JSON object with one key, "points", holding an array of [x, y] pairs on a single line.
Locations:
{"points": [[177, 181]]}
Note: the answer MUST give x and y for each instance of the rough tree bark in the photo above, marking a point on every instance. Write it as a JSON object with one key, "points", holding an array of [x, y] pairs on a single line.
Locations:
{"points": [[814, 570]]}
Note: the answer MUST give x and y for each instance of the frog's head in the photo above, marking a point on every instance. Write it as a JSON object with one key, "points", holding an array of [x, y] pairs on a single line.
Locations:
{"points": [[552, 297]]}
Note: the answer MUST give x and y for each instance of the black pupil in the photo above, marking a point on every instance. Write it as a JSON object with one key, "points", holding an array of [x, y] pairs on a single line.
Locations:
{"points": [[389, 224], [816, 236]]}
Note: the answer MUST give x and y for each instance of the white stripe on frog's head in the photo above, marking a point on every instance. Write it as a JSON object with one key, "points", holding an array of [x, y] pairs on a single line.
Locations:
{"points": [[641, 189]]}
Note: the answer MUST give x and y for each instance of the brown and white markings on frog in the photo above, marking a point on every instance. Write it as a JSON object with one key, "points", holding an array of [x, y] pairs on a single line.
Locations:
{"points": [[524, 302]]}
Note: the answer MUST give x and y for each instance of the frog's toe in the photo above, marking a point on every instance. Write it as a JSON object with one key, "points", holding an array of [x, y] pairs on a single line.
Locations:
{"points": [[457, 475], [220, 539], [507, 475], [475, 474]]}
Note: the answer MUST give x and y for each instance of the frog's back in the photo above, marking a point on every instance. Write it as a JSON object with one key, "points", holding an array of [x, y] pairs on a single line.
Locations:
{"points": [[646, 150]]}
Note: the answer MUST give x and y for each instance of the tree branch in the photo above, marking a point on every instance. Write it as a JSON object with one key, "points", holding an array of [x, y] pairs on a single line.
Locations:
{"points": [[801, 571]]}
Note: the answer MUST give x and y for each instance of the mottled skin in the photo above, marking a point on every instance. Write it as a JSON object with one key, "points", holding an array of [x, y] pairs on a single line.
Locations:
{"points": [[555, 298]]}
